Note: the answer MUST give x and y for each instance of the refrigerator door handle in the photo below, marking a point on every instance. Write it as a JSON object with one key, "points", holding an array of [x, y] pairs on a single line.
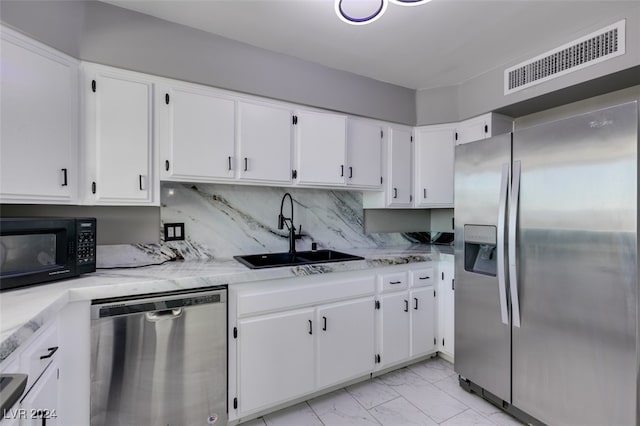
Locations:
{"points": [[513, 222], [502, 219]]}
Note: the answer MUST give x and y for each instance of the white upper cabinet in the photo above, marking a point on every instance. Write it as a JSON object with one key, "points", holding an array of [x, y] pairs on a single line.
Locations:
{"points": [[482, 127], [197, 133], [119, 137], [264, 143], [399, 192], [364, 154], [39, 132], [434, 164], [320, 148]]}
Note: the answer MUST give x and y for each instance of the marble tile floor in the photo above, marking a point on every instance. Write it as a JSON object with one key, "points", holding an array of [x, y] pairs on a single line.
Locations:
{"points": [[426, 393]]}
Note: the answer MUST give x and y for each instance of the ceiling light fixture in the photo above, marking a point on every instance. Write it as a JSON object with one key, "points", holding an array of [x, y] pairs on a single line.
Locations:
{"points": [[409, 2], [360, 12]]}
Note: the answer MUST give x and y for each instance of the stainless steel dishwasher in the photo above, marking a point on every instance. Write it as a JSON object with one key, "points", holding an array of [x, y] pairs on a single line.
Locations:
{"points": [[160, 360]]}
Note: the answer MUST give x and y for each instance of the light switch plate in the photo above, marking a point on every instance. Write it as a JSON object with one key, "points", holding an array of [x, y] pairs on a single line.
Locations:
{"points": [[174, 231]]}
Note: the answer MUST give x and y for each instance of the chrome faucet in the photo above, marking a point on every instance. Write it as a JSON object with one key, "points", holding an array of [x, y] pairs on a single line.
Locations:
{"points": [[282, 221]]}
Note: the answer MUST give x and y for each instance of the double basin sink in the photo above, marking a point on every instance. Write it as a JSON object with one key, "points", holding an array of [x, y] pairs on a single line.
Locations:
{"points": [[273, 260]]}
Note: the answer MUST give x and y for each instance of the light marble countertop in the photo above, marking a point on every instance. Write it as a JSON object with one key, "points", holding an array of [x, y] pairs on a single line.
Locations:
{"points": [[24, 311]]}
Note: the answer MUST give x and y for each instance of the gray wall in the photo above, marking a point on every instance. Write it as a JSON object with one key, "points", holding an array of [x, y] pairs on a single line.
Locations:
{"points": [[485, 92], [103, 33]]}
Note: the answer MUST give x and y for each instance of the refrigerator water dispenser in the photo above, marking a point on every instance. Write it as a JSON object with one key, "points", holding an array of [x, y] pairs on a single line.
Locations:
{"points": [[480, 250]]}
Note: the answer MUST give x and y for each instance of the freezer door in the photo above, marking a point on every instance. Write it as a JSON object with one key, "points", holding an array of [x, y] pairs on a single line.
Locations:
{"points": [[574, 355], [482, 333]]}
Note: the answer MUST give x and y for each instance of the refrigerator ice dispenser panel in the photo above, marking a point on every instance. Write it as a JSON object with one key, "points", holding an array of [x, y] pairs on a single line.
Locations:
{"points": [[480, 250]]}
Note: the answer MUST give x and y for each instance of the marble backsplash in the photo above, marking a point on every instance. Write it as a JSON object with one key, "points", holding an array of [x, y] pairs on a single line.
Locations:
{"points": [[225, 220]]}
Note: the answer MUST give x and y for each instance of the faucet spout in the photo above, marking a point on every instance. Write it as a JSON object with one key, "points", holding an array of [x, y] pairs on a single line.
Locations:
{"points": [[282, 221]]}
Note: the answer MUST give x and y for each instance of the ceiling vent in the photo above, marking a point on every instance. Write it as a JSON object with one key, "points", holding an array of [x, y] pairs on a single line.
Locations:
{"points": [[596, 47]]}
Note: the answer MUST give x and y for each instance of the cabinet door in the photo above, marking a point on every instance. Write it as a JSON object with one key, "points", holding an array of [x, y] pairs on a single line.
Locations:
{"points": [[394, 328], [197, 135], [120, 137], [446, 313], [434, 152], [41, 403], [399, 192], [423, 319], [471, 130], [321, 148], [345, 340], [39, 131], [364, 154], [264, 143], [275, 358]]}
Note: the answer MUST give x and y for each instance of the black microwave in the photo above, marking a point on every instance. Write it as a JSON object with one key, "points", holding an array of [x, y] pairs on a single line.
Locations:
{"points": [[37, 250]]}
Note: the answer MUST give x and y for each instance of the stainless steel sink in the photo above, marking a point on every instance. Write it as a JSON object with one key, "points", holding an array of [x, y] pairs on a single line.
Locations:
{"points": [[273, 260]]}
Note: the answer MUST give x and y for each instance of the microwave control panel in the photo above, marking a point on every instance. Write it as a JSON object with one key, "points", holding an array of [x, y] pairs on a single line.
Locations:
{"points": [[86, 249]]}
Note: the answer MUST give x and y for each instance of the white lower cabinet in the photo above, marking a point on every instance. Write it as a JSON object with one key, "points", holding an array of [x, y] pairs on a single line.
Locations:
{"points": [[407, 317], [446, 306], [345, 337], [299, 337], [38, 359], [423, 318], [285, 355], [394, 323], [40, 404], [276, 358]]}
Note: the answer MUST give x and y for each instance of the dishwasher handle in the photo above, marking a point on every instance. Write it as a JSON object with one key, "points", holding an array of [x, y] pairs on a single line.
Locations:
{"points": [[167, 314]]}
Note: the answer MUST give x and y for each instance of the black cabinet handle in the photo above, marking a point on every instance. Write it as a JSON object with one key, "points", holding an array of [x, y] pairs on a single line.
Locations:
{"points": [[64, 177], [229, 163], [415, 306], [93, 187], [324, 325], [140, 182], [425, 192], [406, 306], [246, 164], [52, 351], [453, 284], [350, 172], [166, 165], [310, 327], [342, 170], [395, 282], [166, 98], [395, 192], [423, 278]]}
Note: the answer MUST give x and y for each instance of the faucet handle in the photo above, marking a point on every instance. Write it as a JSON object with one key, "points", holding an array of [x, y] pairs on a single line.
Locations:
{"points": [[299, 236]]}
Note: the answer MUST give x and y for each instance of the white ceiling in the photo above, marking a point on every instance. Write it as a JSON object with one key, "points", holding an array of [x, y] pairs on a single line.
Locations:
{"points": [[441, 43]]}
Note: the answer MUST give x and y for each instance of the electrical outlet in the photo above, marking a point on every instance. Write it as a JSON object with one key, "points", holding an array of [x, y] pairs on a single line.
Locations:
{"points": [[174, 231]]}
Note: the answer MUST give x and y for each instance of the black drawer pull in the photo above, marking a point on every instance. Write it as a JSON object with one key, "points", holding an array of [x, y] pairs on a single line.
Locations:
{"points": [[406, 306], [415, 299], [246, 164], [310, 327], [52, 351], [350, 172], [395, 282], [64, 177], [424, 278], [324, 326]]}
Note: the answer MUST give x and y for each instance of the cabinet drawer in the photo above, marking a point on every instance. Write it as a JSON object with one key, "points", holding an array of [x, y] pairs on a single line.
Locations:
{"points": [[393, 282], [37, 356], [422, 277]]}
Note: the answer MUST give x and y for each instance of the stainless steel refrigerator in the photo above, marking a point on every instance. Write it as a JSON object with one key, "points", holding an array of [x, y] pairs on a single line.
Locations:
{"points": [[546, 302]]}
